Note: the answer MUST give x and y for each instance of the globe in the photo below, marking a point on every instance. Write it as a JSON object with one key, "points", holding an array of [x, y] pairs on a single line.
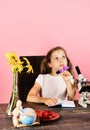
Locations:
{"points": [[28, 116]]}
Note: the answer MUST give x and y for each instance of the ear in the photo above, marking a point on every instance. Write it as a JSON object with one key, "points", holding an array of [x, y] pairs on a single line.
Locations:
{"points": [[50, 65]]}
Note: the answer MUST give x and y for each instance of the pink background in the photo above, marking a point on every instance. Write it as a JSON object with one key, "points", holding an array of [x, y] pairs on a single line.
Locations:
{"points": [[32, 27]]}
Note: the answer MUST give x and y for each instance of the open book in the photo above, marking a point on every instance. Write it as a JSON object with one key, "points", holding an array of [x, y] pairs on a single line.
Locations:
{"points": [[64, 103]]}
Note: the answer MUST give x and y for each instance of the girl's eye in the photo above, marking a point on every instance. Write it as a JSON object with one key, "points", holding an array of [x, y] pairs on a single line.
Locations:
{"points": [[56, 58], [64, 56]]}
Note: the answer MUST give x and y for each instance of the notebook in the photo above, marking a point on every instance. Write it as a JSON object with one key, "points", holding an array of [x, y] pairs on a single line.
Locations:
{"points": [[64, 103]]}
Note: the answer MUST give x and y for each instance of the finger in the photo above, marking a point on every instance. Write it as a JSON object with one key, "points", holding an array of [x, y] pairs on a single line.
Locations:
{"points": [[53, 102]]}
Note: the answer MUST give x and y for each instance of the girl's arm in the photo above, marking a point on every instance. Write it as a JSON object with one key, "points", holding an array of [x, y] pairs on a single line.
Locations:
{"points": [[70, 86], [70, 90], [34, 97]]}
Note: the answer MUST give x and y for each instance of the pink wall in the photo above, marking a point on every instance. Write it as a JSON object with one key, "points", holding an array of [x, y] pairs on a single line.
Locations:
{"points": [[32, 27]]}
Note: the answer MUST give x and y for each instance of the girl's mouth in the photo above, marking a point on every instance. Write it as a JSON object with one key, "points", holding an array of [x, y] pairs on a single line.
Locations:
{"points": [[61, 66]]}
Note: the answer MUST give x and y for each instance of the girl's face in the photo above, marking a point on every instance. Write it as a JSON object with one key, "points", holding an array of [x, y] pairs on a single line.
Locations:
{"points": [[58, 60]]}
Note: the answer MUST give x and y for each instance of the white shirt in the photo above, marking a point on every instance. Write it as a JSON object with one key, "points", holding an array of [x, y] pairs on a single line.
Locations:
{"points": [[52, 86]]}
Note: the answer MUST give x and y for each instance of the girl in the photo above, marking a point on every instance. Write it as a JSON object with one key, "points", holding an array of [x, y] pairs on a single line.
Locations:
{"points": [[50, 84]]}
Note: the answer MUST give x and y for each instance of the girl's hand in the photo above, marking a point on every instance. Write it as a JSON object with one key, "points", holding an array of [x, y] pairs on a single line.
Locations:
{"points": [[66, 75], [50, 101]]}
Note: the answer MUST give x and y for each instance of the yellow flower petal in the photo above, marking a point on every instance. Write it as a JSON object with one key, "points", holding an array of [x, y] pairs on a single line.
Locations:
{"points": [[16, 64]]}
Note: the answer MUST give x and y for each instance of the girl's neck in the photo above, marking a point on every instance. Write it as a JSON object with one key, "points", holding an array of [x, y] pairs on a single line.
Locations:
{"points": [[53, 73]]}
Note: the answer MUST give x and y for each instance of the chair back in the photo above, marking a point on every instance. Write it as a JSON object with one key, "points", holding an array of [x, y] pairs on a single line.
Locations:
{"points": [[25, 80]]}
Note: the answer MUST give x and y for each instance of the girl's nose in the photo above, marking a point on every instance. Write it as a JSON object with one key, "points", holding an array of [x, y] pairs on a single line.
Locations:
{"points": [[61, 60]]}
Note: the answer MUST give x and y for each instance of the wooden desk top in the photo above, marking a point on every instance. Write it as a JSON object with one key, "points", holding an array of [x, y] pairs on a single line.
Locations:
{"points": [[71, 118]]}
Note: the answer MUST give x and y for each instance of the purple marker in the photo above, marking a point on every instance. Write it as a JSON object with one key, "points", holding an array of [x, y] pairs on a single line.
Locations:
{"points": [[63, 69]]}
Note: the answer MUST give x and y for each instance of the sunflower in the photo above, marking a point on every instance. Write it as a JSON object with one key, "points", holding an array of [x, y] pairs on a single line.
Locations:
{"points": [[16, 64]]}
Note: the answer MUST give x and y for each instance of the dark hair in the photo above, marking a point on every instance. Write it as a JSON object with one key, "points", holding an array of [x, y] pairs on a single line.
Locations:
{"points": [[45, 69]]}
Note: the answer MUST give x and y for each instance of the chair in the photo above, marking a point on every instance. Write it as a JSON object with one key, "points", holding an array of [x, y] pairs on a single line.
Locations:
{"points": [[26, 81]]}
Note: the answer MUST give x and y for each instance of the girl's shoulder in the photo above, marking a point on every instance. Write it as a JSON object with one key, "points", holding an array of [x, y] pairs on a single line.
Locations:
{"points": [[48, 76], [40, 79], [42, 75]]}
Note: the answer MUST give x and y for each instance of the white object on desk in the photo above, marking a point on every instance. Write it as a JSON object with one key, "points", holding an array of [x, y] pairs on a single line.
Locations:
{"points": [[65, 103]]}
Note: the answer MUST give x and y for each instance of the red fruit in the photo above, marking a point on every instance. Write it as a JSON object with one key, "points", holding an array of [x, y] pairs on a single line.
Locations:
{"points": [[46, 114], [39, 113]]}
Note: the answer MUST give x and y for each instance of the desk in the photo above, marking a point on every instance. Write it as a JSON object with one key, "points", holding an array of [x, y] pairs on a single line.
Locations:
{"points": [[71, 118]]}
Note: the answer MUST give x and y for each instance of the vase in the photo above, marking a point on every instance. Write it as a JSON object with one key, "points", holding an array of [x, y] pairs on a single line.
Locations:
{"points": [[14, 96]]}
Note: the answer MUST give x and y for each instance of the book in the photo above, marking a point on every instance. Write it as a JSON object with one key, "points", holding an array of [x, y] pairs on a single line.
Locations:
{"points": [[64, 103]]}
